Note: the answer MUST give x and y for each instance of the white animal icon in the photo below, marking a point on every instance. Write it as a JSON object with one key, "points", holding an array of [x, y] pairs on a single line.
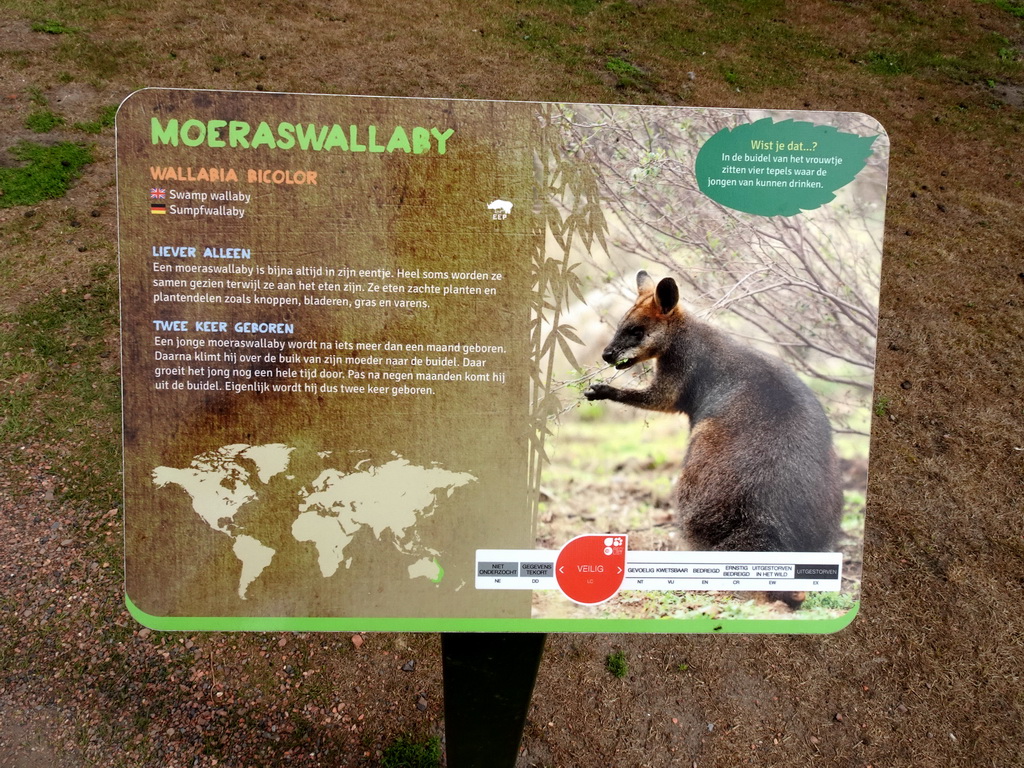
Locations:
{"points": [[501, 208]]}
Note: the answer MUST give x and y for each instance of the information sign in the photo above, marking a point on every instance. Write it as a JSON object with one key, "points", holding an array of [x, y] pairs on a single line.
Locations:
{"points": [[362, 363]]}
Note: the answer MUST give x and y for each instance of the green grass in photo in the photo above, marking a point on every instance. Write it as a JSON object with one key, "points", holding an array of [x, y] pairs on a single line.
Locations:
{"points": [[628, 75], [46, 173], [56, 388], [617, 665], [52, 27], [43, 121], [406, 752], [105, 120]]}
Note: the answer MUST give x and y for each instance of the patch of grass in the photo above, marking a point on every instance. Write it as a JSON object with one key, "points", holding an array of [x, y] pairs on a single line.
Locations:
{"points": [[406, 752], [1007, 54], [43, 121], [977, 65], [106, 60], [105, 120], [55, 389], [36, 96], [722, 605], [852, 526], [47, 173], [945, 51], [52, 27], [882, 404], [888, 63], [592, 410], [616, 664], [17, 59], [1012, 7], [552, 40], [628, 75], [595, 448], [737, 36], [580, 7], [852, 522]]}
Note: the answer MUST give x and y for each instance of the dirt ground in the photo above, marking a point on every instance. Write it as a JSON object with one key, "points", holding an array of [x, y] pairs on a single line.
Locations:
{"points": [[929, 674]]}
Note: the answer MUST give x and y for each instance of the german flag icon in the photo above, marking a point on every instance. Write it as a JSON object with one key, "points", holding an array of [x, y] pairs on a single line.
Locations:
{"points": [[158, 208]]}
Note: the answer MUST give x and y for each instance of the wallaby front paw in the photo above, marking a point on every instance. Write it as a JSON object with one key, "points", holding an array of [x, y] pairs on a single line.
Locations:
{"points": [[599, 392]]}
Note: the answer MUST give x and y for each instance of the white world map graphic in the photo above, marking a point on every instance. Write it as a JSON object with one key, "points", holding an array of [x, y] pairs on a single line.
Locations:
{"points": [[387, 500]]}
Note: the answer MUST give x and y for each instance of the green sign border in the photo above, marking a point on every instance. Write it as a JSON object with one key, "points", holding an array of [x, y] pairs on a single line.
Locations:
{"points": [[442, 624]]}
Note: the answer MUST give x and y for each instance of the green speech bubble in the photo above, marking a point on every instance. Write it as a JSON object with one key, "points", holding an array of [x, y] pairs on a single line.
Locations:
{"points": [[779, 169]]}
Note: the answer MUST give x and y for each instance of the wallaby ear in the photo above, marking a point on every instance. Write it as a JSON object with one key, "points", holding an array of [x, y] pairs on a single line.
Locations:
{"points": [[644, 282], [668, 294]]}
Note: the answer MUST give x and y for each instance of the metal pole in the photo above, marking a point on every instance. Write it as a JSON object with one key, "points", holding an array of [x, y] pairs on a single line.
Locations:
{"points": [[488, 683]]}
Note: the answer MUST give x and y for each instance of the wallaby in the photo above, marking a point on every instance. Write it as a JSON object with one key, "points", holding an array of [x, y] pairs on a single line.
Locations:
{"points": [[760, 473]]}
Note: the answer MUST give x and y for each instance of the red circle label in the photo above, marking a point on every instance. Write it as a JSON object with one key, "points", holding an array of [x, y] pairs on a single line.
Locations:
{"points": [[590, 568]]}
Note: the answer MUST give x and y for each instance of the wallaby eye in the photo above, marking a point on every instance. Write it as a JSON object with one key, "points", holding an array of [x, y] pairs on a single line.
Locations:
{"points": [[634, 333]]}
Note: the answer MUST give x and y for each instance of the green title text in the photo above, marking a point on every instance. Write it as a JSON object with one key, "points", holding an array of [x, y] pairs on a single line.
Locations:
{"points": [[238, 134]]}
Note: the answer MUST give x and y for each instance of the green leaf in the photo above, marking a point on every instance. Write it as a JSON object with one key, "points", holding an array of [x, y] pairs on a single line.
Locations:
{"points": [[779, 169]]}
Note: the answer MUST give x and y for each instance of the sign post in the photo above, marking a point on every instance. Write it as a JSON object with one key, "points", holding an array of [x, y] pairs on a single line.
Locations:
{"points": [[488, 683]]}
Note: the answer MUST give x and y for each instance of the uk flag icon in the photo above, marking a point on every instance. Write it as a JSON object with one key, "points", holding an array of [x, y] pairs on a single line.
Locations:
{"points": [[157, 194]]}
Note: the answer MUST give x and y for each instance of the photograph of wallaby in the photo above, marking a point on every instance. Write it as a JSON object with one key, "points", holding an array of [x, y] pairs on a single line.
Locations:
{"points": [[722, 399], [760, 473]]}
